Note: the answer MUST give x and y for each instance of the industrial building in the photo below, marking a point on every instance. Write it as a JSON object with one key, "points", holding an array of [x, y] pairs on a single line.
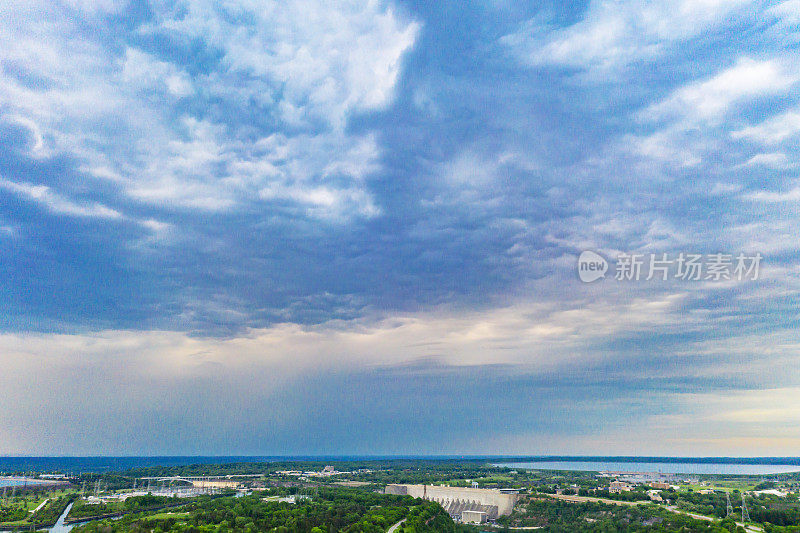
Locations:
{"points": [[473, 517], [460, 500]]}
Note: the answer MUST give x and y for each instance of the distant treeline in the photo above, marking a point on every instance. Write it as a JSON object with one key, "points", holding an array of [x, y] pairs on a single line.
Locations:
{"points": [[448, 467], [654, 459]]}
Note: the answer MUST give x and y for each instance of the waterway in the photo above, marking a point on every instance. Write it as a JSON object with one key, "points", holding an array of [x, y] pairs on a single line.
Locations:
{"points": [[664, 468], [60, 526]]}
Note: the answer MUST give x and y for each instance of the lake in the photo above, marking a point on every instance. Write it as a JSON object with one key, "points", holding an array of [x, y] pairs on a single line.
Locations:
{"points": [[665, 468]]}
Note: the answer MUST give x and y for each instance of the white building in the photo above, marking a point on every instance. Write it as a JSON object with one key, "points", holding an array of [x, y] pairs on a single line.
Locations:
{"points": [[473, 517]]}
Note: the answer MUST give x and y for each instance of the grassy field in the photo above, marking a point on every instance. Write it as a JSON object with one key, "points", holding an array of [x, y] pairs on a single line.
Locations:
{"points": [[28, 503]]}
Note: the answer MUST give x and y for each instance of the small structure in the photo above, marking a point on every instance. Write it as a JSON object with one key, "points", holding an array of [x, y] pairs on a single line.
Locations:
{"points": [[773, 492], [619, 486], [473, 517]]}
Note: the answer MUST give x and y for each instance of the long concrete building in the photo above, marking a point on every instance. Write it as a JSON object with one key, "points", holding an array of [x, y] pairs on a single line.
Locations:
{"points": [[456, 500]]}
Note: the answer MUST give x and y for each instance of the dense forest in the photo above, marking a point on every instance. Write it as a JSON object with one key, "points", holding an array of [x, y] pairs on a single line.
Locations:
{"points": [[556, 516], [328, 511]]}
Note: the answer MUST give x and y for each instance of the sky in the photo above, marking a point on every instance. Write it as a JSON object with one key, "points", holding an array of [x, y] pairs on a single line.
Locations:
{"points": [[353, 227]]}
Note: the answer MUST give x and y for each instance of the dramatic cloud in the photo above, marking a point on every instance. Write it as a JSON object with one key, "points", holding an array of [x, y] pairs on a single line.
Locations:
{"points": [[404, 378], [260, 111], [326, 227]]}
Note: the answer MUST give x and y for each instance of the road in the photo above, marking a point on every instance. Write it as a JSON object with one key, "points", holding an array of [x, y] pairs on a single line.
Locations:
{"points": [[40, 506], [395, 526], [709, 519], [579, 499]]}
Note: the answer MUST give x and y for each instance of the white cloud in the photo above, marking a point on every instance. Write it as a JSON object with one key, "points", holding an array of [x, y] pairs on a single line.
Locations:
{"points": [[326, 59], [95, 7], [144, 71], [773, 130], [130, 372], [792, 195], [57, 203], [711, 98], [724, 189], [669, 145], [470, 170], [38, 144], [786, 22], [691, 117], [613, 34], [774, 160], [301, 67], [536, 337], [533, 335], [304, 178]]}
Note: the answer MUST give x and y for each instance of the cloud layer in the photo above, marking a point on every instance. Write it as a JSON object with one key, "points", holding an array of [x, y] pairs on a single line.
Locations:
{"points": [[354, 226]]}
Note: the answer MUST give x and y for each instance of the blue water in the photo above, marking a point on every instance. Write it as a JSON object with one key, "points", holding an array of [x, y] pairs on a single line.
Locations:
{"points": [[665, 468], [60, 526], [754, 466], [5, 482]]}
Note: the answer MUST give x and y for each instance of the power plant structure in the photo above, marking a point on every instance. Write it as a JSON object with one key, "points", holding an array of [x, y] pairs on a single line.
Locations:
{"points": [[464, 504]]}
